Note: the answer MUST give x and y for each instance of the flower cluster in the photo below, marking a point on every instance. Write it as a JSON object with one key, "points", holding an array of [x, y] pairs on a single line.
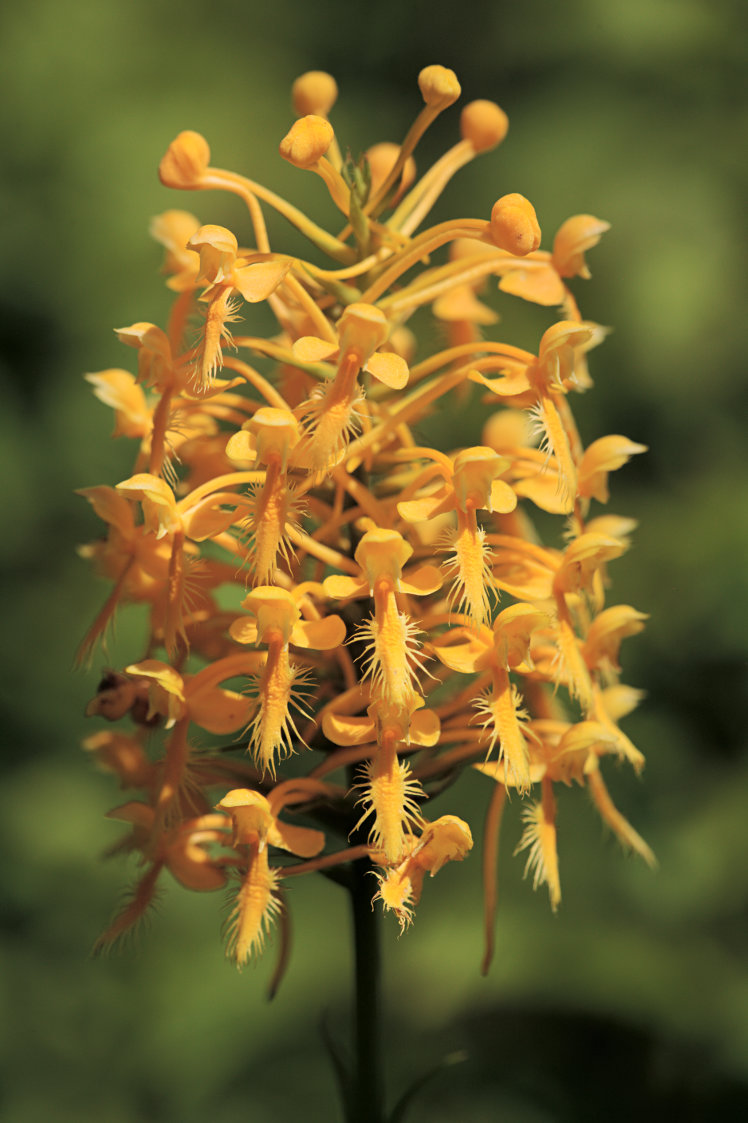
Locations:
{"points": [[328, 597]]}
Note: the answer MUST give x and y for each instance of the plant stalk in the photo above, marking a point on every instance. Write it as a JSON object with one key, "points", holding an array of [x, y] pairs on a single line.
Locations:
{"points": [[367, 1085]]}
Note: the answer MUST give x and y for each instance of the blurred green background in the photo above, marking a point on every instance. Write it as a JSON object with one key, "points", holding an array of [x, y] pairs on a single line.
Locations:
{"points": [[633, 1001]]}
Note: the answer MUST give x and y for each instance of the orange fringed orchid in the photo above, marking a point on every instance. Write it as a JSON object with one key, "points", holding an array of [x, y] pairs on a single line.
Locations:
{"points": [[286, 528]]}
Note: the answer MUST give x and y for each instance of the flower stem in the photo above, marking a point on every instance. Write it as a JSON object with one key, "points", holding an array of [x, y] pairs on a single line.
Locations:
{"points": [[367, 1085]]}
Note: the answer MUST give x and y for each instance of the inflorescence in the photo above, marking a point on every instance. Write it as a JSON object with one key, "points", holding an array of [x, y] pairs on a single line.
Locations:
{"points": [[328, 597]]}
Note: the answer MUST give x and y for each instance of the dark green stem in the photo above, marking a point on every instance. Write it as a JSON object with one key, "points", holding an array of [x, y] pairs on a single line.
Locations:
{"points": [[367, 1090]]}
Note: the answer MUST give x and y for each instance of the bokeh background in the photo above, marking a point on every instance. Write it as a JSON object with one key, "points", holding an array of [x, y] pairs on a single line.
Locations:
{"points": [[633, 1001]]}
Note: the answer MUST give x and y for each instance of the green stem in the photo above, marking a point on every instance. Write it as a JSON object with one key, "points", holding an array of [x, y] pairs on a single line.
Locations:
{"points": [[367, 1091]]}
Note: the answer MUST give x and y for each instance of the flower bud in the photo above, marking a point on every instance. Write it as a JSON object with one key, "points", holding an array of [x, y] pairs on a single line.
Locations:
{"points": [[514, 225], [314, 92], [484, 124], [307, 141], [382, 159], [439, 86], [185, 161]]}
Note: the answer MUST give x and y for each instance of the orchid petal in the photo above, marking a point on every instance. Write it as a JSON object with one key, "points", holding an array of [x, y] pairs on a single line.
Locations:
{"points": [[341, 587], [389, 368], [344, 730], [503, 498], [421, 582], [321, 635], [258, 280], [312, 349]]}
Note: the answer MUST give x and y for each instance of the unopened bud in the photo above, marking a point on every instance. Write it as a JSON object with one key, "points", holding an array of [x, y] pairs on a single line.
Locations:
{"points": [[185, 161], [314, 92], [382, 158], [514, 225], [484, 124], [307, 141], [439, 86]]}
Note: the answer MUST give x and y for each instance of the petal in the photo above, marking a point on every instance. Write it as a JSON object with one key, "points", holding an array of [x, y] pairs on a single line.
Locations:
{"points": [[418, 510], [162, 673], [541, 286], [512, 384], [425, 728], [344, 730], [341, 587], [241, 447], [546, 491], [620, 700], [467, 658], [243, 630], [603, 456], [110, 506], [220, 711], [321, 635], [496, 771], [585, 736], [461, 303], [119, 389], [257, 281], [303, 841], [207, 520], [389, 368], [422, 581], [194, 869], [311, 349], [503, 498]]}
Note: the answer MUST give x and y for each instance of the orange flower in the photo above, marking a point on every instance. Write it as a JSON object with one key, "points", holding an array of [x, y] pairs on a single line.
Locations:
{"points": [[281, 527]]}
